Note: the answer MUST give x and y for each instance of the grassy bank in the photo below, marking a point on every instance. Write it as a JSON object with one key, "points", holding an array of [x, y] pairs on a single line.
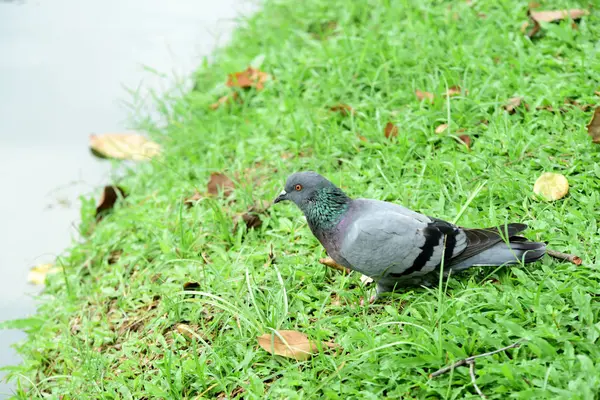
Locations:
{"points": [[118, 324]]}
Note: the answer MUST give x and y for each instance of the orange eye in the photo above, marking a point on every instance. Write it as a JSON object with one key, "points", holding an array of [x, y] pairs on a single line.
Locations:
{"points": [[298, 187]]}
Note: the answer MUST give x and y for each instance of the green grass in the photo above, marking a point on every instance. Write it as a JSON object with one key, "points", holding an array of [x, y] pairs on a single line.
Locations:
{"points": [[108, 330]]}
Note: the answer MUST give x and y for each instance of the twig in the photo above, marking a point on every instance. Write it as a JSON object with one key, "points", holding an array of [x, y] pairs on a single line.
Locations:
{"points": [[467, 360], [474, 378], [328, 261], [565, 257]]}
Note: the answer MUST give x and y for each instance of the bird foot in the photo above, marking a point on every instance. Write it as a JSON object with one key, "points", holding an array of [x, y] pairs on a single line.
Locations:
{"points": [[330, 262]]}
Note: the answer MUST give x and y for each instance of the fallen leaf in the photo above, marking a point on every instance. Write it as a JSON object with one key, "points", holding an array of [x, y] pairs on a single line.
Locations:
{"points": [[575, 103], [366, 280], [513, 103], [593, 127], [109, 197], [343, 109], [391, 130], [441, 128], [227, 99], [252, 217], [466, 139], [123, 146], [191, 200], [37, 275], [220, 183], [191, 286], [424, 95], [249, 78], [597, 92], [558, 15], [362, 138], [551, 186], [294, 345], [455, 91], [189, 331]]}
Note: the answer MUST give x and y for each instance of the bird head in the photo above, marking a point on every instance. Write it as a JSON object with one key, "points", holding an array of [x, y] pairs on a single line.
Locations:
{"points": [[301, 188]]}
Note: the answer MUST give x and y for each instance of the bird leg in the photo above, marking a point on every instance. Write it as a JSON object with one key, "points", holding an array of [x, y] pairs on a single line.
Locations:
{"points": [[330, 262]]}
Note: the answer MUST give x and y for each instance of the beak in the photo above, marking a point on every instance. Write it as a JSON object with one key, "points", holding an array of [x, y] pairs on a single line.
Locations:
{"points": [[281, 197]]}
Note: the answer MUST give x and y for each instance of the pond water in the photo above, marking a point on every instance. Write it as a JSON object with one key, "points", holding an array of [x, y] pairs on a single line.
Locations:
{"points": [[64, 66]]}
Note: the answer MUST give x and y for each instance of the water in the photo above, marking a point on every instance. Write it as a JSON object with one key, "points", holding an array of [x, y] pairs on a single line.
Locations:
{"points": [[63, 65]]}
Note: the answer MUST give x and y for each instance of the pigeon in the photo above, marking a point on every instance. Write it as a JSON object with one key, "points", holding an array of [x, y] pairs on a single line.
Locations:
{"points": [[394, 245]]}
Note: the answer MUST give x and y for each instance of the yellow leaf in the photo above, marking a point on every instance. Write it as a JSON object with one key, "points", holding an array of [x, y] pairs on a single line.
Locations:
{"points": [[37, 275], [290, 344], [124, 146], [551, 186]]}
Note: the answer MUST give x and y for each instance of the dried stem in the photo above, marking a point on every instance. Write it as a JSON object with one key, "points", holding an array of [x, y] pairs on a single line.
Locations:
{"points": [[474, 378], [565, 257], [328, 261], [467, 360]]}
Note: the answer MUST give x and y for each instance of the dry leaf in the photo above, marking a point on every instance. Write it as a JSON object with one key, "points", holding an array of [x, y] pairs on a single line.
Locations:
{"points": [[247, 79], [123, 146], [220, 183], [37, 275], [227, 99], [109, 197], [551, 186], [189, 331], [466, 139], [593, 127], [424, 95], [455, 91], [362, 138], [295, 345], [343, 109], [558, 15], [441, 128], [513, 103], [597, 92], [391, 130], [366, 280], [191, 200]]}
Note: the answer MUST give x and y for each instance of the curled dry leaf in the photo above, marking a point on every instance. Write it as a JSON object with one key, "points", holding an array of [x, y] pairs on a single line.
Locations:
{"points": [[227, 99], [455, 91], [109, 197], [366, 280], [441, 128], [593, 127], [424, 95], [249, 78], [391, 130], [193, 199], [551, 186], [466, 139], [252, 217], [220, 183], [557, 15], [294, 345], [343, 109], [513, 103], [123, 146], [37, 275]]}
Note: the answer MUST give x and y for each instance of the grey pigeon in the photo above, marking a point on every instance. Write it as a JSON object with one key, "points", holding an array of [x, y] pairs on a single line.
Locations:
{"points": [[395, 246]]}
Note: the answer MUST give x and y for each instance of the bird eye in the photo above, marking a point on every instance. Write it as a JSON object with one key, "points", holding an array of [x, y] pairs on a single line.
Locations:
{"points": [[298, 187]]}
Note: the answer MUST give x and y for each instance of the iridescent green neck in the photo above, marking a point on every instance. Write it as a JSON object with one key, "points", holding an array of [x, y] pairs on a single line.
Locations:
{"points": [[326, 208]]}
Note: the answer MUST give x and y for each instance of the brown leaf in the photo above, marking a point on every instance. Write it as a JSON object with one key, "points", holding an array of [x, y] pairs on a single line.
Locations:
{"points": [[513, 103], [362, 138], [593, 127], [252, 217], [247, 79], [424, 95], [227, 99], [441, 128], [123, 146], [191, 200], [109, 197], [294, 345], [455, 91], [343, 109], [558, 15], [391, 130], [551, 186], [466, 139], [218, 183]]}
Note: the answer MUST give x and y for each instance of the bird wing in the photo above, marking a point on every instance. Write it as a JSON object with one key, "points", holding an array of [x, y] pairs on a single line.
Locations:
{"points": [[390, 243]]}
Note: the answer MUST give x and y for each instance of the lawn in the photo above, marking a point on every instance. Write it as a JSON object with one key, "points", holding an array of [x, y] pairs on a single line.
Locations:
{"points": [[165, 300]]}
